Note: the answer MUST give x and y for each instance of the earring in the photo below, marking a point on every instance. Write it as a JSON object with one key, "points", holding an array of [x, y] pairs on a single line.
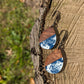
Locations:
{"points": [[48, 38], [54, 62]]}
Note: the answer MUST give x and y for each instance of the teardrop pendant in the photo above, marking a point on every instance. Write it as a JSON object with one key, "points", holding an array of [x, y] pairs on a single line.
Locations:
{"points": [[48, 38], [54, 62]]}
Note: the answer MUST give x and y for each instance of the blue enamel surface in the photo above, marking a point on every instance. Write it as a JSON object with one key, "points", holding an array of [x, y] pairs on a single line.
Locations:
{"points": [[55, 67], [49, 43]]}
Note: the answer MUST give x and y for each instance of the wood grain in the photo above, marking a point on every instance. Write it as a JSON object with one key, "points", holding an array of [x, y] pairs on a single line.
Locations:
{"points": [[55, 55], [46, 34], [72, 20]]}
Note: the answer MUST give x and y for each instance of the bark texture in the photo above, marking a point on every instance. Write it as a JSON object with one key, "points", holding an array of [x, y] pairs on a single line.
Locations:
{"points": [[71, 20]]}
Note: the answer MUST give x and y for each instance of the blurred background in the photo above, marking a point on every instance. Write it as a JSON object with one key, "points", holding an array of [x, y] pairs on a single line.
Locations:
{"points": [[16, 20]]}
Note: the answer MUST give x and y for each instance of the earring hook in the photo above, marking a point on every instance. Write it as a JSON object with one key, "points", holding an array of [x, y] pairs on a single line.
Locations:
{"points": [[63, 39]]}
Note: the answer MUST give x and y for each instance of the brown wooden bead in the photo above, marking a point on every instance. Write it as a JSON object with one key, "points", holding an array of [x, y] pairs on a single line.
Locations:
{"points": [[46, 34], [55, 55]]}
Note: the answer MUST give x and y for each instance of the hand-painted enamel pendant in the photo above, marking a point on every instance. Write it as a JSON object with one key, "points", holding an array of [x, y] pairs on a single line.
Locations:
{"points": [[54, 62], [48, 38]]}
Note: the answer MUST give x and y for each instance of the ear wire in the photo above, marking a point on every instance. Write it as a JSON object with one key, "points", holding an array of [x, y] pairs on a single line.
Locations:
{"points": [[63, 39]]}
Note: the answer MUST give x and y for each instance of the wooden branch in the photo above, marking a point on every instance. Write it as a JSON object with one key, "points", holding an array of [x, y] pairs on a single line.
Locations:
{"points": [[34, 45], [72, 19], [34, 41]]}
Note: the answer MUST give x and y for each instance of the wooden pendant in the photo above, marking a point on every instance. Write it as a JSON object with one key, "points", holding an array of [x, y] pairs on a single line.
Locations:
{"points": [[48, 38], [54, 62]]}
